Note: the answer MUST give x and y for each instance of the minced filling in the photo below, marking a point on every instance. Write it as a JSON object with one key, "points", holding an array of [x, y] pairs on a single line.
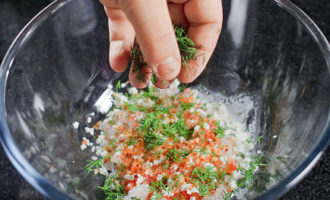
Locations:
{"points": [[170, 144]]}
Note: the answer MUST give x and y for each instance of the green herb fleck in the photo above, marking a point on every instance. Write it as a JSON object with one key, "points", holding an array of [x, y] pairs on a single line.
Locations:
{"points": [[132, 141], [187, 47], [112, 188], [259, 138], [220, 131], [138, 63], [158, 187], [42, 144], [248, 174], [205, 177], [228, 195], [176, 155], [93, 165], [182, 87], [182, 130], [118, 86], [187, 106], [166, 166], [282, 159], [202, 151]]}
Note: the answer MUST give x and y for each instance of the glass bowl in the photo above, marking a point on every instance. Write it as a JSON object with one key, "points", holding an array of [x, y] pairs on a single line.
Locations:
{"points": [[57, 68]]}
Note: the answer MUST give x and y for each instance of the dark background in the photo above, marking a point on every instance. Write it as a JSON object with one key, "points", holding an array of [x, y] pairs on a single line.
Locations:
{"points": [[14, 14]]}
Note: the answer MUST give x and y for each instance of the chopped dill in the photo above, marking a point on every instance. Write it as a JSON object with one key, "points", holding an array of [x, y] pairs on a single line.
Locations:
{"points": [[259, 139], [228, 195], [280, 158], [241, 155], [248, 174], [220, 131], [206, 178], [203, 150], [166, 166], [138, 63], [112, 189], [132, 141], [248, 141], [182, 130], [122, 167], [42, 144], [187, 47], [187, 106], [157, 187], [153, 79], [182, 87], [176, 155], [118, 86], [152, 140], [93, 165]]}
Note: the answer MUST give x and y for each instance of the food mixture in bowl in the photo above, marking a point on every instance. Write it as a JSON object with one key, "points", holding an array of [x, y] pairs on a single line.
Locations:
{"points": [[175, 143]]}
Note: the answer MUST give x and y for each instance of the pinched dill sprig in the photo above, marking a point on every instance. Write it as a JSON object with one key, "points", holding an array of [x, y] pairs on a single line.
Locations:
{"points": [[138, 63], [187, 47], [112, 189]]}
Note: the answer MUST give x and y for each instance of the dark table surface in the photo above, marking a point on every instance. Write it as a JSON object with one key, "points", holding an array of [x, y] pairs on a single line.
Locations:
{"points": [[16, 13]]}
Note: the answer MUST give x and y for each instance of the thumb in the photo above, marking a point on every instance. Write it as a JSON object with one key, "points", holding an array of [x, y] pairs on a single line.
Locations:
{"points": [[155, 35]]}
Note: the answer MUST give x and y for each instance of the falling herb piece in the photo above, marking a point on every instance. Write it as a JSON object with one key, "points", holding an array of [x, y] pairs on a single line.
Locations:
{"points": [[42, 144], [118, 86], [223, 92], [138, 63]]}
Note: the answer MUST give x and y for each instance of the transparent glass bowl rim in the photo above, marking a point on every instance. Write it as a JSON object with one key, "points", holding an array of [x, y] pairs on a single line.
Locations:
{"points": [[50, 191]]}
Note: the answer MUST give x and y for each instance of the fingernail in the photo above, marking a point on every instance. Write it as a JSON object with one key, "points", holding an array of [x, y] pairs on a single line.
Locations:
{"points": [[168, 69], [119, 56]]}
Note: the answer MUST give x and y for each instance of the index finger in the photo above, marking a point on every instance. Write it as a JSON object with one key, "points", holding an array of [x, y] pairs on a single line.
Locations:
{"points": [[205, 21]]}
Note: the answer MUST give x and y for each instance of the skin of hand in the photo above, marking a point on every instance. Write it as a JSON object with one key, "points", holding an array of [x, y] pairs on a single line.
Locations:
{"points": [[150, 23]]}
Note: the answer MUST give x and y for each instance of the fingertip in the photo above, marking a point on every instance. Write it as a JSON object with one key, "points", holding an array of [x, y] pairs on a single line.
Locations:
{"points": [[194, 68], [167, 69], [119, 56]]}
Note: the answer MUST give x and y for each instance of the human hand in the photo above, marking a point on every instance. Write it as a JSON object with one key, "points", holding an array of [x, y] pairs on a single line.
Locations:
{"points": [[150, 21]]}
